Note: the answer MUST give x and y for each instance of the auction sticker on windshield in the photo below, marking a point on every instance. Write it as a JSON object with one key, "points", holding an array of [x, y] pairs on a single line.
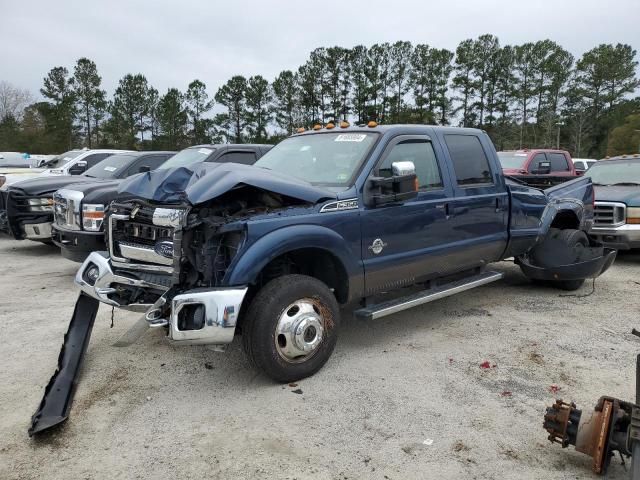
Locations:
{"points": [[205, 151], [110, 169], [350, 137]]}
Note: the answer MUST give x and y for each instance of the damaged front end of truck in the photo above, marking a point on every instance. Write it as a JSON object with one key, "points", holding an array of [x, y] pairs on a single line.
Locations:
{"points": [[173, 237]]}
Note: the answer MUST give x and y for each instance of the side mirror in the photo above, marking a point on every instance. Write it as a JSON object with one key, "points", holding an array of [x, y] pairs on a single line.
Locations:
{"points": [[78, 168], [144, 168], [544, 168], [400, 187], [403, 168]]}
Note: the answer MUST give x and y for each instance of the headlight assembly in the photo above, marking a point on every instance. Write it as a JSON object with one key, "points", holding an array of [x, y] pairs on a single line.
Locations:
{"points": [[92, 217], [633, 215], [40, 204]]}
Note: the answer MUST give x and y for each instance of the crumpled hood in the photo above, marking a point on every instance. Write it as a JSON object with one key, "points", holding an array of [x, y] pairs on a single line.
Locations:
{"points": [[206, 181], [625, 194]]}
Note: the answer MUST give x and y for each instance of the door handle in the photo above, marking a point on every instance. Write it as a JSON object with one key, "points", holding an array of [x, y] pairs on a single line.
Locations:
{"points": [[444, 207], [498, 205]]}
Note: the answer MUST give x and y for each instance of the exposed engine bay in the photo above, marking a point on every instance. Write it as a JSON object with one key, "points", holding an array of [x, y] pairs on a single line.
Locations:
{"points": [[215, 232], [184, 247]]}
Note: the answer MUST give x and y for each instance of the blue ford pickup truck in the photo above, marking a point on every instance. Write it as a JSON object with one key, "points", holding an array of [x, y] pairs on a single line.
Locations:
{"points": [[330, 217]]}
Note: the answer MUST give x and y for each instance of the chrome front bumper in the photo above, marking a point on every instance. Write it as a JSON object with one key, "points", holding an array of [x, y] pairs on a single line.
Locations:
{"points": [[622, 237], [221, 305], [37, 231]]}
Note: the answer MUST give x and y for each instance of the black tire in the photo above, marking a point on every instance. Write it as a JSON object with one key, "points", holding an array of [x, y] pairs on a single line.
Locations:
{"points": [[268, 351], [573, 241]]}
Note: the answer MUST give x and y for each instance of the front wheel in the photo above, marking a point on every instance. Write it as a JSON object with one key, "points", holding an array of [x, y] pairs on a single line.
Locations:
{"points": [[291, 327]]}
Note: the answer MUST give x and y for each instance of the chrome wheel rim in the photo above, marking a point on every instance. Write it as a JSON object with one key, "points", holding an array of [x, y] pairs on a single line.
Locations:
{"points": [[299, 331]]}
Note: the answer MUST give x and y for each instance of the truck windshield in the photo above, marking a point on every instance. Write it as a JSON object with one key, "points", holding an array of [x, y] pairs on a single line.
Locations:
{"points": [[110, 167], [60, 160], [188, 156], [512, 159], [615, 172], [323, 159]]}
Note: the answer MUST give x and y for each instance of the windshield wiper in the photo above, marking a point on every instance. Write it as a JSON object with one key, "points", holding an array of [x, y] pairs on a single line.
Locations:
{"points": [[601, 184], [90, 176], [626, 183]]}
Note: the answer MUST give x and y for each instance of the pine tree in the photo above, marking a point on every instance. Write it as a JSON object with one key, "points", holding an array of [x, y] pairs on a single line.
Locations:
{"points": [[233, 96], [399, 69], [86, 84], [198, 104], [59, 117], [286, 102], [258, 108], [129, 108], [172, 119], [464, 81]]}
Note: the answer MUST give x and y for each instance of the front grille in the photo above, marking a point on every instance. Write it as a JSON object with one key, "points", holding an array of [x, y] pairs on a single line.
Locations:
{"points": [[18, 202], [608, 214], [66, 209], [140, 233], [137, 240]]}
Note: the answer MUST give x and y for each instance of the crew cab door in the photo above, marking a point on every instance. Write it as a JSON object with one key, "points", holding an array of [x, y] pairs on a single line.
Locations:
{"points": [[405, 242], [478, 211]]}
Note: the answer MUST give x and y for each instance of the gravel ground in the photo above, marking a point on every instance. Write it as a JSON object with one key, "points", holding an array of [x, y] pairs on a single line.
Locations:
{"points": [[401, 398]]}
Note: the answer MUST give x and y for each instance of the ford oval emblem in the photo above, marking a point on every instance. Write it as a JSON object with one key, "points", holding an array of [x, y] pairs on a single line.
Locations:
{"points": [[164, 248]]}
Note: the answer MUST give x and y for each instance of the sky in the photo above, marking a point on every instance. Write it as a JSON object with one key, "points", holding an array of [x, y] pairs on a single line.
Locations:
{"points": [[173, 42]]}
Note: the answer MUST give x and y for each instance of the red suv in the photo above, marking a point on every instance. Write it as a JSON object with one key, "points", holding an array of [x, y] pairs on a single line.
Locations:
{"points": [[556, 163]]}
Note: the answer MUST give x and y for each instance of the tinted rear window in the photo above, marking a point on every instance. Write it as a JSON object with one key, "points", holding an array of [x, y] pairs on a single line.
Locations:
{"points": [[558, 162], [469, 160], [245, 158]]}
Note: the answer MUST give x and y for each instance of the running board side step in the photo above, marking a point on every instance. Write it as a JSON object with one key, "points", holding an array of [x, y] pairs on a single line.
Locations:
{"points": [[383, 309]]}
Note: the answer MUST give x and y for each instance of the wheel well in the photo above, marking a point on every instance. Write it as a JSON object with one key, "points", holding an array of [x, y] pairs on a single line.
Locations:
{"points": [[566, 219], [314, 262]]}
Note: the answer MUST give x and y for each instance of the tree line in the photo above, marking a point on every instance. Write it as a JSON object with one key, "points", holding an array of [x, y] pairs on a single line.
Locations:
{"points": [[531, 95]]}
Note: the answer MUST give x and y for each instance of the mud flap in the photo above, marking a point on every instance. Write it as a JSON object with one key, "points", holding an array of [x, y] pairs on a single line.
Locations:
{"points": [[58, 395]]}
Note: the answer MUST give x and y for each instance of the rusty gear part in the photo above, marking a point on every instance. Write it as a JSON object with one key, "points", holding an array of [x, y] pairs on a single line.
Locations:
{"points": [[599, 434]]}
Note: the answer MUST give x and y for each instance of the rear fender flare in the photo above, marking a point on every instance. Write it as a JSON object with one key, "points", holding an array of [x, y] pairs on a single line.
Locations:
{"points": [[556, 207]]}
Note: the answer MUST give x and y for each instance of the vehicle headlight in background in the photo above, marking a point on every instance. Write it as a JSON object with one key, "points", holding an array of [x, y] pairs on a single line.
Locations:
{"points": [[92, 217], [40, 204], [633, 215]]}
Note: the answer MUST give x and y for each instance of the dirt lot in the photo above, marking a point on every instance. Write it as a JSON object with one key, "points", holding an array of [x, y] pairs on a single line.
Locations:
{"points": [[401, 398]]}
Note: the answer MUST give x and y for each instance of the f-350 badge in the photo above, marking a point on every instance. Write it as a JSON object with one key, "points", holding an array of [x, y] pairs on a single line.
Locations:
{"points": [[377, 246]]}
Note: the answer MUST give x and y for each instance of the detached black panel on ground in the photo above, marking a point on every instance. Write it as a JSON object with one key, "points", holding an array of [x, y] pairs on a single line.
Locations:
{"points": [[58, 395]]}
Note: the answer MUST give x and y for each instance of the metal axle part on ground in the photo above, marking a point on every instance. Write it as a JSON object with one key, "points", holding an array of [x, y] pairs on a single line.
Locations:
{"points": [[613, 426]]}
